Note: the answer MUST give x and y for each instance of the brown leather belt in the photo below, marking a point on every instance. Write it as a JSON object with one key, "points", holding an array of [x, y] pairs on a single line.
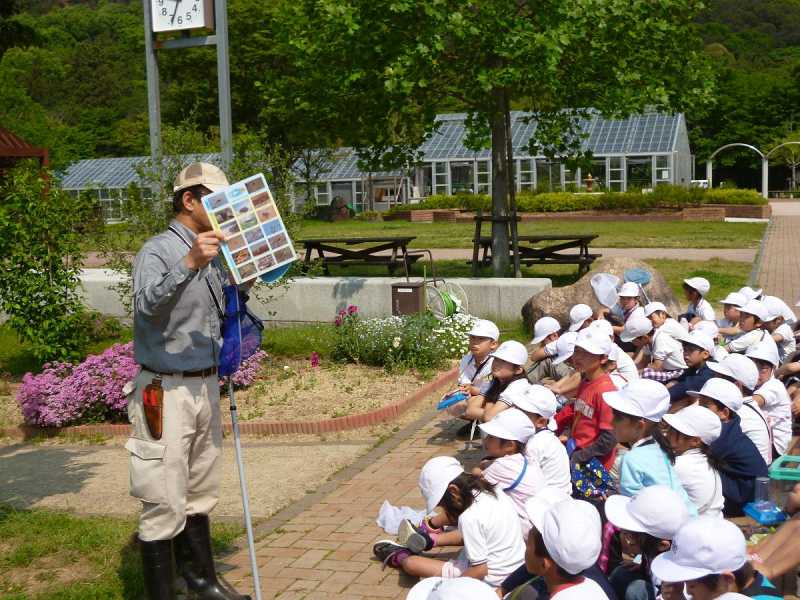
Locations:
{"points": [[201, 373]]}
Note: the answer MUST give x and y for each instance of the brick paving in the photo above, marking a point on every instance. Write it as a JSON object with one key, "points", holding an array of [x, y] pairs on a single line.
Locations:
{"points": [[778, 269], [328, 546]]}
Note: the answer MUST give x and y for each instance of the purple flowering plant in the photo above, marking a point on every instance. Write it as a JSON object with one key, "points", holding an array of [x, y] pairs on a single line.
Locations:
{"points": [[249, 369]]}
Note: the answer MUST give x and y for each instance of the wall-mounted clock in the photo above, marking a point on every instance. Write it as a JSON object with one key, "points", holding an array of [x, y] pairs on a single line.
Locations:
{"points": [[176, 15]]}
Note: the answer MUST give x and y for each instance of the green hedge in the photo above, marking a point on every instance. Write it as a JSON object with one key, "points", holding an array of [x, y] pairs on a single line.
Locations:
{"points": [[664, 196]]}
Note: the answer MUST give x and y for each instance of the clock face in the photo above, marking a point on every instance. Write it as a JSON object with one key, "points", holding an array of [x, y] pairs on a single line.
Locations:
{"points": [[174, 15]]}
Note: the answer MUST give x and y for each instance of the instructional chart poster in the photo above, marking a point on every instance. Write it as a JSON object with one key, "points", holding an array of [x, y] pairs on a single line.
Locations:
{"points": [[257, 241]]}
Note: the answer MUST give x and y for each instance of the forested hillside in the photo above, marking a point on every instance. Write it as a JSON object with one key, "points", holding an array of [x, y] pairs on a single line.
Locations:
{"points": [[72, 77]]}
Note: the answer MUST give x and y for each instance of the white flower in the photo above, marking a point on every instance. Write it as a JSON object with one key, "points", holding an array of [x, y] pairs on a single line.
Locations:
{"points": [[396, 342], [287, 368]]}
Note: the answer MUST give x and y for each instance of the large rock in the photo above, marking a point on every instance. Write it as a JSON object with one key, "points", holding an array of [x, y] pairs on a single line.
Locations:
{"points": [[557, 301]]}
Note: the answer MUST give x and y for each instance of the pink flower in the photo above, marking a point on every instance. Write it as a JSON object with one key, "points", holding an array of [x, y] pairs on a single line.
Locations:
{"points": [[314, 360], [352, 309]]}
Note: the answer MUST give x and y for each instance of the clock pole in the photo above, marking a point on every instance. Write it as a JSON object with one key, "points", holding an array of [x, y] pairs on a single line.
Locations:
{"points": [[153, 96], [224, 81]]}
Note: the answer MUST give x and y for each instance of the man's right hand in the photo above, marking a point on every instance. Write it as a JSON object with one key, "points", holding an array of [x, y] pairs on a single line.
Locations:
{"points": [[204, 249]]}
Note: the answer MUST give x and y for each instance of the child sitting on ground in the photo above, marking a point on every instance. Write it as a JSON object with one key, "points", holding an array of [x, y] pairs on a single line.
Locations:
{"points": [[475, 368], [690, 432], [507, 467], [488, 528], [776, 326], [666, 352], [697, 348], [729, 324], [638, 408], [751, 319], [699, 309], [540, 405], [647, 524], [546, 332], [508, 373], [771, 396]]}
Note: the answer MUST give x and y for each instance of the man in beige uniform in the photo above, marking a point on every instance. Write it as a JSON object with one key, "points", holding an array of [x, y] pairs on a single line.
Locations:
{"points": [[178, 298]]}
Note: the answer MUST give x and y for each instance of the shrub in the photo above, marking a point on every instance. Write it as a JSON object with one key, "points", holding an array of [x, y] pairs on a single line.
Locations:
{"points": [[421, 342], [248, 371], [733, 196], [369, 215]]}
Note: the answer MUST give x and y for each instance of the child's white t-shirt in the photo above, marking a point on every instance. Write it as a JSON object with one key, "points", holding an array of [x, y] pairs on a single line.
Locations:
{"points": [[744, 341], [515, 387], [585, 590], [787, 346], [755, 425], [778, 410], [625, 365], [668, 350], [702, 309], [673, 328], [701, 482], [502, 474], [546, 449], [469, 372], [492, 536]]}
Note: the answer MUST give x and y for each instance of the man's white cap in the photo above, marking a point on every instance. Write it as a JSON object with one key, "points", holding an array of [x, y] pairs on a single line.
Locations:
{"points": [[629, 290], [696, 421], [512, 351], [536, 399], [435, 476], [484, 328], [643, 398], [697, 338], [735, 299], [764, 350], [459, 588], [723, 391], [698, 283], [578, 315], [565, 347], [656, 510], [776, 308], [201, 173], [710, 328], [649, 309], [594, 342], [602, 326], [749, 293], [510, 424], [757, 308], [544, 327], [703, 546], [738, 367], [635, 327], [537, 506], [571, 531]]}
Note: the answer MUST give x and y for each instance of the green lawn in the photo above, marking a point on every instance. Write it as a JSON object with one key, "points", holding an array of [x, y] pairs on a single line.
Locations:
{"points": [[670, 234], [50, 555]]}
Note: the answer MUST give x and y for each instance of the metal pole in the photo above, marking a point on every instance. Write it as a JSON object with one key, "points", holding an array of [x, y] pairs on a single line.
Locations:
{"points": [[710, 173], [248, 521], [224, 81], [765, 177], [153, 98]]}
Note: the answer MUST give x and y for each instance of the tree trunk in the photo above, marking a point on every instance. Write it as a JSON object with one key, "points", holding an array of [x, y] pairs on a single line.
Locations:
{"points": [[500, 258]]}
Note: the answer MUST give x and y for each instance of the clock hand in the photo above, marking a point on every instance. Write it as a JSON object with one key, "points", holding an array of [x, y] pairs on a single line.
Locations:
{"points": [[177, 3]]}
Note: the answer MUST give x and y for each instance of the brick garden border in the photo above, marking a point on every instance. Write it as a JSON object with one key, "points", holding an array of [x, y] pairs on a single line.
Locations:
{"points": [[367, 419]]}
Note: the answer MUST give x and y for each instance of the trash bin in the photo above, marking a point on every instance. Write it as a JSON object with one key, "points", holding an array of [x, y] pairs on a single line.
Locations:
{"points": [[408, 297]]}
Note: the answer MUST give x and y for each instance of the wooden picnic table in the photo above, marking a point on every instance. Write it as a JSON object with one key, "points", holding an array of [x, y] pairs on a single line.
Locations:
{"points": [[334, 251], [532, 251]]}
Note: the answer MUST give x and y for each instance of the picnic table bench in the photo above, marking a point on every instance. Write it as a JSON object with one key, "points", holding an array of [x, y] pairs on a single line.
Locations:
{"points": [[532, 251], [335, 251]]}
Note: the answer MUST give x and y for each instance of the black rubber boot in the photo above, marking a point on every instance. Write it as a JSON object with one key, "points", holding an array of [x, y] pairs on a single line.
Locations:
{"points": [[196, 563], [158, 568]]}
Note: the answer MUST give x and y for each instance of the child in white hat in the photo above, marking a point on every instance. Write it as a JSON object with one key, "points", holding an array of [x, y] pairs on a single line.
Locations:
{"points": [[628, 306], [508, 468], [540, 405], [620, 366], [742, 461], [487, 526], [638, 408], [751, 320], [508, 374], [729, 324], [565, 541], [647, 523], [697, 349], [771, 395], [699, 309], [666, 352], [475, 368], [691, 431], [460, 588], [777, 327], [546, 333], [580, 316], [706, 553]]}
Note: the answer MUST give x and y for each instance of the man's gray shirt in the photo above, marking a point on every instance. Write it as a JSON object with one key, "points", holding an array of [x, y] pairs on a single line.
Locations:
{"points": [[176, 325]]}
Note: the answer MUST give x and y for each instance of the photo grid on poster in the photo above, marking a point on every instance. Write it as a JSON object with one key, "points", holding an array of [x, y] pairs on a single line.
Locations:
{"points": [[256, 238]]}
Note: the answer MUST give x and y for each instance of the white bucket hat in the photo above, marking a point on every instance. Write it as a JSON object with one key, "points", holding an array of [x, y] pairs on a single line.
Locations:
{"points": [[643, 398], [511, 424], [572, 532], [512, 351], [777, 308], [544, 327], [734, 299], [459, 588], [710, 328], [435, 476], [537, 399], [703, 546], [545, 499], [696, 421], [723, 391], [738, 367], [578, 315], [594, 342], [629, 289], [757, 309], [751, 294], [765, 350], [565, 347], [656, 510], [484, 328], [636, 327], [603, 327], [700, 284], [649, 309], [696, 338]]}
